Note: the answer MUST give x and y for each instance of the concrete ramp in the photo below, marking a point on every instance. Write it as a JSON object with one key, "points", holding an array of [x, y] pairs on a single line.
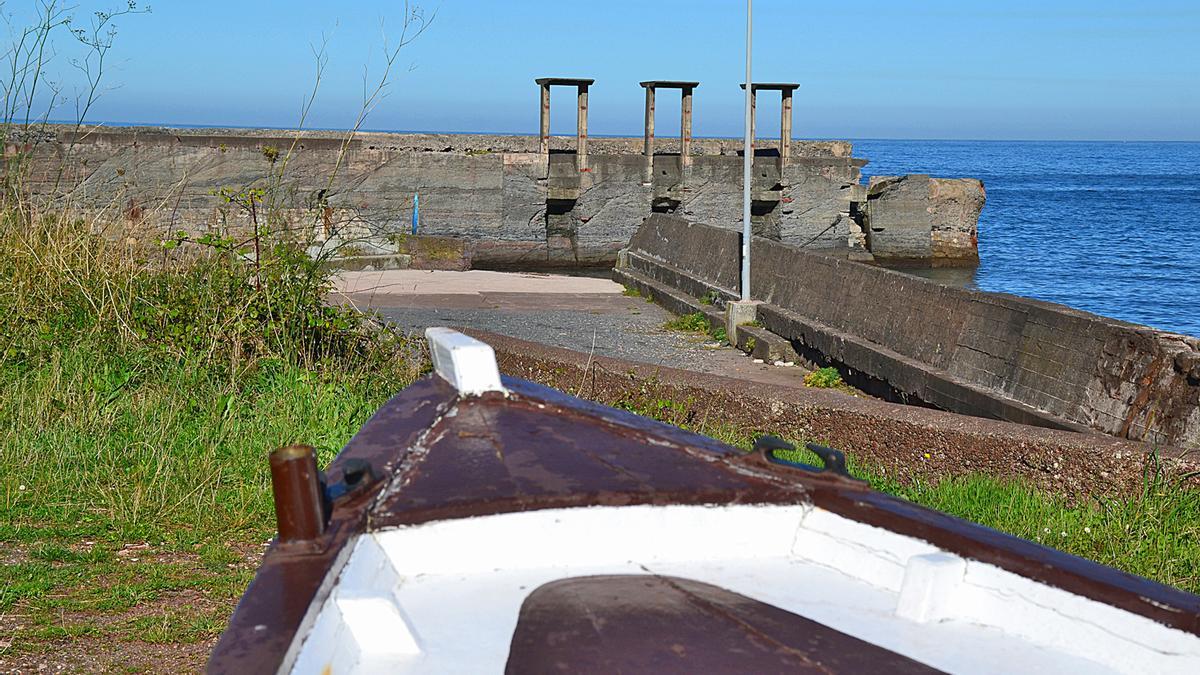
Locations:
{"points": [[985, 354]]}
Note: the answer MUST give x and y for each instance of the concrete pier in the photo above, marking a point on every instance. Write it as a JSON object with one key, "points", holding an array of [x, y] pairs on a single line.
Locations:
{"points": [[528, 202]]}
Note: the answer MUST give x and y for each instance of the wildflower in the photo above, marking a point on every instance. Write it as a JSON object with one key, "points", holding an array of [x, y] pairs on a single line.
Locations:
{"points": [[21, 488], [1062, 534], [1047, 530], [1088, 530], [927, 455]]}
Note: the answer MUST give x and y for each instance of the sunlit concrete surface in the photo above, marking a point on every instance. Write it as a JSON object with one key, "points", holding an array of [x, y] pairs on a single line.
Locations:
{"points": [[434, 282]]}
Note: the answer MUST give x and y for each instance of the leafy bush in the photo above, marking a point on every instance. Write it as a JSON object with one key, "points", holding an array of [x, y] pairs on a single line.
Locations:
{"points": [[68, 283], [824, 378]]}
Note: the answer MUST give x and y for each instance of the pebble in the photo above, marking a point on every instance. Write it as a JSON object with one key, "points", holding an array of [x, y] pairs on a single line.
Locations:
{"points": [[758, 360], [779, 363]]}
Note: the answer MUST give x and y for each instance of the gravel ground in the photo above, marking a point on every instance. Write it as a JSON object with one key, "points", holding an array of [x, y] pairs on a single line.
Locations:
{"points": [[583, 314], [635, 335]]}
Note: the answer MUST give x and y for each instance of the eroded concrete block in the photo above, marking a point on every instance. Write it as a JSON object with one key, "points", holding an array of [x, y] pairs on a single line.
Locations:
{"points": [[738, 313], [922, 219]]}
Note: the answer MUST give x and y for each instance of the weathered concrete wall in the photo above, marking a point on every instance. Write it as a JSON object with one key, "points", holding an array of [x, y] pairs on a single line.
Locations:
{"points": [[985, 354], [515, 206], [924, 220]]}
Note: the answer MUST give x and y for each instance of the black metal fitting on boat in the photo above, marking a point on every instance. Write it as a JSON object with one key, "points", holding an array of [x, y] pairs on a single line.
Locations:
{"points": [[765, 443], [834, 460], [356, 474], [300, 506]]}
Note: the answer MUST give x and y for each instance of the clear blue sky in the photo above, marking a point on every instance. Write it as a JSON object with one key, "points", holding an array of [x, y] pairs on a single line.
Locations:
{"points": [[868, 69]]}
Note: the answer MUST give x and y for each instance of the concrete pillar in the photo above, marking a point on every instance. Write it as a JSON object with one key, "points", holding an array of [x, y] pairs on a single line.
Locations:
{"points": [[544, 137], [685, 128], [648, 172], [582, 133], [785, 128], [739, 313], [753, 117]]}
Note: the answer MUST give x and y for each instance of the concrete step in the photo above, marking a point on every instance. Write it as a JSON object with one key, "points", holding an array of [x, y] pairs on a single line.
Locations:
{"points": [[673, 301], [763, 344]]}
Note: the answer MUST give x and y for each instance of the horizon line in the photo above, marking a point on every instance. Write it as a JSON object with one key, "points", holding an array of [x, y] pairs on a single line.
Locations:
{"points": [[180, 125]]}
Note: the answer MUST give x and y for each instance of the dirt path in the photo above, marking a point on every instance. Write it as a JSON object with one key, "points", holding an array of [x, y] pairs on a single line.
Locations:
{"points": [[121, 608]]}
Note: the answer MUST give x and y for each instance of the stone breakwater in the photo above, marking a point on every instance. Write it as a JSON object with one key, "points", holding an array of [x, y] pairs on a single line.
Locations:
{"points": [[515, 205], [899, 336]]}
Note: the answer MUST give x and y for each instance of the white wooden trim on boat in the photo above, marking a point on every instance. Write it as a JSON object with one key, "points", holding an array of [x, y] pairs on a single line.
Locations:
{"points": [[444, 596], [466, 363]]}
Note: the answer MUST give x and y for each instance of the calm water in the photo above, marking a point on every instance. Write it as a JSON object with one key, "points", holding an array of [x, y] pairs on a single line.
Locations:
{"points": [[1111, 228]]}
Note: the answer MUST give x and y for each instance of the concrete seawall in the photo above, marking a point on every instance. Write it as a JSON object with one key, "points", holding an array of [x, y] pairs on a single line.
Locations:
{"points": [[515, 205], [984, 354]]}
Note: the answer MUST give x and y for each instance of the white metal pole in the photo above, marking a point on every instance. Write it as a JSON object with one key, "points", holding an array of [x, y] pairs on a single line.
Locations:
{"points": [[748, 160]]}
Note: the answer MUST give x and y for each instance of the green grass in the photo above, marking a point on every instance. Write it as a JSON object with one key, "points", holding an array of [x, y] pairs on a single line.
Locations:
{"points": [[178, 460], [180, 445], [695, 322], [138, 404]]}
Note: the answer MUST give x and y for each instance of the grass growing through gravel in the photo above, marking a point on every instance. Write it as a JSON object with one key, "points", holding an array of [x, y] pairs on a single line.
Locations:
{"points": [[696, 322], [139, 397]]}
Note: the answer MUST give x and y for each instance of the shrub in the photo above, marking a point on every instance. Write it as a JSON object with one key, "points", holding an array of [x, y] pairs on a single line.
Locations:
{"points": [[824, 378], [68, 283]]}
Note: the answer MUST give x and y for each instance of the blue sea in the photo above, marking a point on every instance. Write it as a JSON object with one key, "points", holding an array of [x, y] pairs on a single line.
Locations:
{"points": [[1109, 227]]}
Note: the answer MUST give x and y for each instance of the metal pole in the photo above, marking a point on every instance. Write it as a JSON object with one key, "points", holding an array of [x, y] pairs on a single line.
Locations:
{"points": [[748, 160], [296, 483], [648, 170]]}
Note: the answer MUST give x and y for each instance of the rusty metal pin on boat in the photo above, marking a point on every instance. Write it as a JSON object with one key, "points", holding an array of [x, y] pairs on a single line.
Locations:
{"points": [[299, 509]]}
